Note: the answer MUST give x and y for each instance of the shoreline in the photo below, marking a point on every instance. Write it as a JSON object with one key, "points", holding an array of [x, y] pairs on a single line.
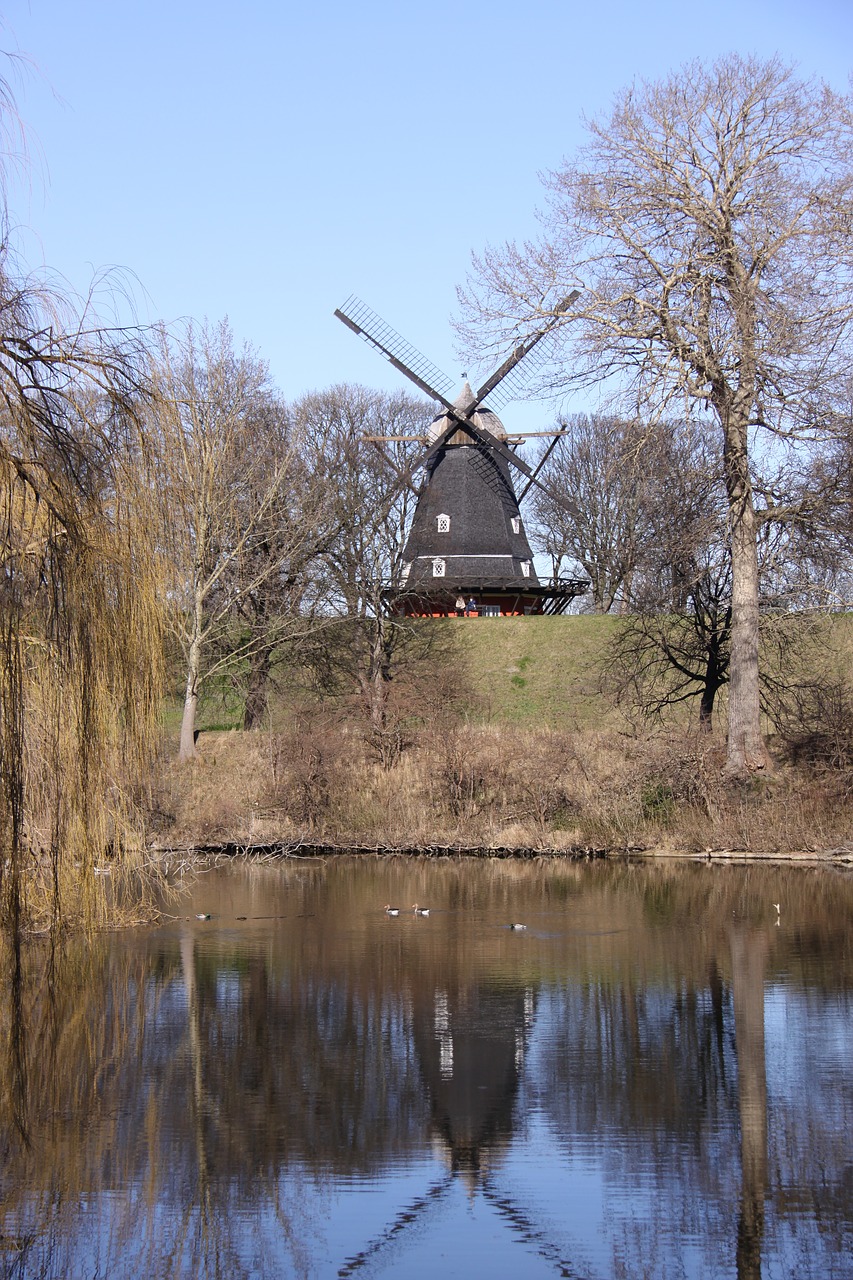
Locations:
{"points": [[297, 849]]}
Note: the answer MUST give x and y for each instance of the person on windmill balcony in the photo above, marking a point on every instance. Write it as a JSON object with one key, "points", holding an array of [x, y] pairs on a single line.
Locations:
{"points": [[471, 609], [460, 605]]}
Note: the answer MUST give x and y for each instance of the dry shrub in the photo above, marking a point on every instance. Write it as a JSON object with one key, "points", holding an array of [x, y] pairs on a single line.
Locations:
{"points": [[211, 800], [815, 726], [548, 780], [391, 807], [496, 786], [430, 693], [314, 769], [678, 771], [468, 774], [254, 787], [615, 790]]}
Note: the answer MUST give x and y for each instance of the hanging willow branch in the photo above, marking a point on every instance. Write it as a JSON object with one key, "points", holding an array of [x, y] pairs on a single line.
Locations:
{"points": [[80, 657]]}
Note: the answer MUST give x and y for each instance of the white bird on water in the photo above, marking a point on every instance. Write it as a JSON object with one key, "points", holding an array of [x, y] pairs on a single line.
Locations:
{"points": [[518, 926], [420, 911], [391, 911]]}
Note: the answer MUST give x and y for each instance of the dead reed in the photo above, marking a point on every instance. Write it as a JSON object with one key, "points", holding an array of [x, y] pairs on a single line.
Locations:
{"points": [[496, 785]]}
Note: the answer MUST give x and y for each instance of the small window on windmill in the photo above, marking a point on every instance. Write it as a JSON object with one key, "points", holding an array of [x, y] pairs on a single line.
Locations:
{"points": [[443, 523], [525, 568], [407, 568], [438, 568], [516, 524]]}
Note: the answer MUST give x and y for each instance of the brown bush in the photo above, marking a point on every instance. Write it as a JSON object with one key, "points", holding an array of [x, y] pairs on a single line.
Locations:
{"points": [[489, 785], [815, 726], [313, 768]]}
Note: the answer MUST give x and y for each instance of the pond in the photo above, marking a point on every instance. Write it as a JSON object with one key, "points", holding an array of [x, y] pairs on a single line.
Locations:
{"points": [[652, 1079]]}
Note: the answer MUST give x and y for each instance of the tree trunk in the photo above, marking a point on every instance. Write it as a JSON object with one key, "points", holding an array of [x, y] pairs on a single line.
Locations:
{"points": [[378, 677], [256, 697], [714, 681], [186, 750], [747, 753], [706, 706]]}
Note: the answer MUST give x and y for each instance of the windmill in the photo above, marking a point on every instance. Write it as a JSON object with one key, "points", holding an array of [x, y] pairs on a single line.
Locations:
{"points": [[467, 542]]}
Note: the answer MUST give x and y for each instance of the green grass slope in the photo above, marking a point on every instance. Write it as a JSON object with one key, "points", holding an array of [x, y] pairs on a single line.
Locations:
{"points": [[539, 670]]}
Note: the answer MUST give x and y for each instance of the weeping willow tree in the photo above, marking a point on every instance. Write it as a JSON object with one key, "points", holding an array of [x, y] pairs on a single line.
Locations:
{"points": [[80, 646]]}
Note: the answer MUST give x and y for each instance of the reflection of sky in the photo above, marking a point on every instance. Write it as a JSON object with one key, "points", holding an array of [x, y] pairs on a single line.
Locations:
{"points": [[809, 1037]]}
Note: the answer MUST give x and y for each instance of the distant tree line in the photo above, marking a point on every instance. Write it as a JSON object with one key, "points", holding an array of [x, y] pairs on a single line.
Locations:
{"points": [[649, 530]]}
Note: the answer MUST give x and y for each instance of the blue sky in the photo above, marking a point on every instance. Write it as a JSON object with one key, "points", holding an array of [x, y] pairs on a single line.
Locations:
{"points": [[263, 161]]}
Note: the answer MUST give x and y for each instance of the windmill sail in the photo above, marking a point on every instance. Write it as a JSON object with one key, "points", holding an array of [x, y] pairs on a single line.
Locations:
{"points": [[509, 381], [356, 315]]}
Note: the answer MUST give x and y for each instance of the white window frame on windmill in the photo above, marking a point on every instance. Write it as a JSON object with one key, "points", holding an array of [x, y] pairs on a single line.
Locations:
{"points": [[442, 523], [516, 524], [438, 567], [525, 568]]}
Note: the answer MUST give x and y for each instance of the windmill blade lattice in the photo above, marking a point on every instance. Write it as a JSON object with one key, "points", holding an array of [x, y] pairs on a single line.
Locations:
{"points": [[356, 315], [412, 1215], [513, 385], [525, 1229], [509, 382]]}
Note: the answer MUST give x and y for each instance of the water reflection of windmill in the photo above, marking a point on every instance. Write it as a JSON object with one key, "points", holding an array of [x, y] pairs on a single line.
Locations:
{"points": [[467, 537], [471, 1050], [471, 1046]]}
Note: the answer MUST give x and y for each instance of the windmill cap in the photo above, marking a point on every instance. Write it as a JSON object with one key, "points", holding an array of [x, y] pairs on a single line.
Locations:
{"points": [[482, 417], [465, 398]]}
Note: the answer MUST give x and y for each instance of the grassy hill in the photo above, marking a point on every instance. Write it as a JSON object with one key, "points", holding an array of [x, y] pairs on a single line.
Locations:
{"points": [[538, 670], [548, 766], [544, 672]]}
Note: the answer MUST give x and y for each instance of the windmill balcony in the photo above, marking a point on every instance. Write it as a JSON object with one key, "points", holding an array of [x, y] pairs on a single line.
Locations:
{"points": [[486, 598]]}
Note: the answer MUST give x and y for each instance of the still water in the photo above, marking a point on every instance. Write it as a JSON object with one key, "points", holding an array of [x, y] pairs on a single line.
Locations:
{"points": [[652, 1079]]}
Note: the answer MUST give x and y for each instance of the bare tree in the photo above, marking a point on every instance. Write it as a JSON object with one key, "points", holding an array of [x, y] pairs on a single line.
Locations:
{"points": [[374, 503], [623, 503], [708, 221], [278, 596], [591, 514], [659, 660], [805, 537], [222, 485]]}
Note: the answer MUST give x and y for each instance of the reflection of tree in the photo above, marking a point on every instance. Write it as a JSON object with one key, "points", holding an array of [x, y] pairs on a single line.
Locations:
{"points": [[295, 1068], [639, 1058], [171, 1091], [749, 963]]}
